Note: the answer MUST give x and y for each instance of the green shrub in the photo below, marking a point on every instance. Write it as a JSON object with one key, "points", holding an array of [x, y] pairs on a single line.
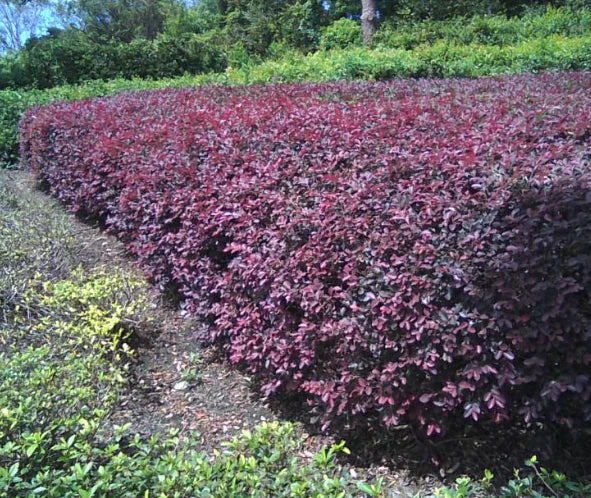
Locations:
{"points": [[536, 482], [11, 70], [72, 57], [301, 25], [442, 59], [343, 33], [495, 30], [444, 9]]}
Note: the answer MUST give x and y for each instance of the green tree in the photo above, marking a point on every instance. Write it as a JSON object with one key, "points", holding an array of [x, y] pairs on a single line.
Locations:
{"points": [[256, 24], [122, 20], [202, 17], [301, 24]]}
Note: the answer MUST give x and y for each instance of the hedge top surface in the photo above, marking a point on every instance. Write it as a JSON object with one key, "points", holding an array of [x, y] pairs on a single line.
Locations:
{"points": [[410, 252]]}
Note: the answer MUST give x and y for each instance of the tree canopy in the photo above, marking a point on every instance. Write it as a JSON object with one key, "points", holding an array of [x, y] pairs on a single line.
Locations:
{"points": [[49, 42]]}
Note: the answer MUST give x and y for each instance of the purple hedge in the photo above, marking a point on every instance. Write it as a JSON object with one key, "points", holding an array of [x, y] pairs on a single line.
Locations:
{"points": [[412, 252]]}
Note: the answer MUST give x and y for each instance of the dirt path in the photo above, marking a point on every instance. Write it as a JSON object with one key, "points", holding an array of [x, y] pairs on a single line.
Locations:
{"points": [[176, 384]]}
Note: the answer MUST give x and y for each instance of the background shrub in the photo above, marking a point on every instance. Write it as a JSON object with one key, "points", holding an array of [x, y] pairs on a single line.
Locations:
{"points": [[73, 58], [414, 252], [343, 33], [441, 59], [497, 30]]}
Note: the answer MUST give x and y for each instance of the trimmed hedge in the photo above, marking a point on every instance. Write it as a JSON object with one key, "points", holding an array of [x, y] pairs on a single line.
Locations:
{"points": [[442, 60], [413, 252], [439, 60], [13, 103]]}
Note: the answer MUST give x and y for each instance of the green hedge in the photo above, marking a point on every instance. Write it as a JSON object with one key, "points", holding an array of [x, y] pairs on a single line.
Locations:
{"points": [[495, 30], [441, 59]]}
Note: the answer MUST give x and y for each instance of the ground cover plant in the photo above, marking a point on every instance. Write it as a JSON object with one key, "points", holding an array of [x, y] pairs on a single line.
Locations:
{"points": [[406, 253], [539, 482]]}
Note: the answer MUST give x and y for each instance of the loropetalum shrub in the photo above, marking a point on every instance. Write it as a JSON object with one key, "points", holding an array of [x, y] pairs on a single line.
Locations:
{"points": [[445, 59], [411, 252]]}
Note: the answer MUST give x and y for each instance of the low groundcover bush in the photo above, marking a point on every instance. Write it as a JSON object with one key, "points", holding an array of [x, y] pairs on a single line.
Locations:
{"points": [[412, 252]]}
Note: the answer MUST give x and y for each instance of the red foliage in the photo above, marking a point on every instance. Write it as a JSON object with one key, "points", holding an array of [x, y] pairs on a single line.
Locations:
{"points": [[407, 252]]}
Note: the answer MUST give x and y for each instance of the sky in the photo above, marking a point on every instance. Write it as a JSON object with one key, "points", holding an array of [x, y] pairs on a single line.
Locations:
{"points": [[20, 23]]}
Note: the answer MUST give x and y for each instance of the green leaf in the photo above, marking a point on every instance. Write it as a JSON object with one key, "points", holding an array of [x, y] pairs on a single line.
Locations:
{"points": [[366, 488], [31, 449]]}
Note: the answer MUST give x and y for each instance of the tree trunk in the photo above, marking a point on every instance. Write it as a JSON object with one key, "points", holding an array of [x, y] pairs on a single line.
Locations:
{"points": [[369, 20]]}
